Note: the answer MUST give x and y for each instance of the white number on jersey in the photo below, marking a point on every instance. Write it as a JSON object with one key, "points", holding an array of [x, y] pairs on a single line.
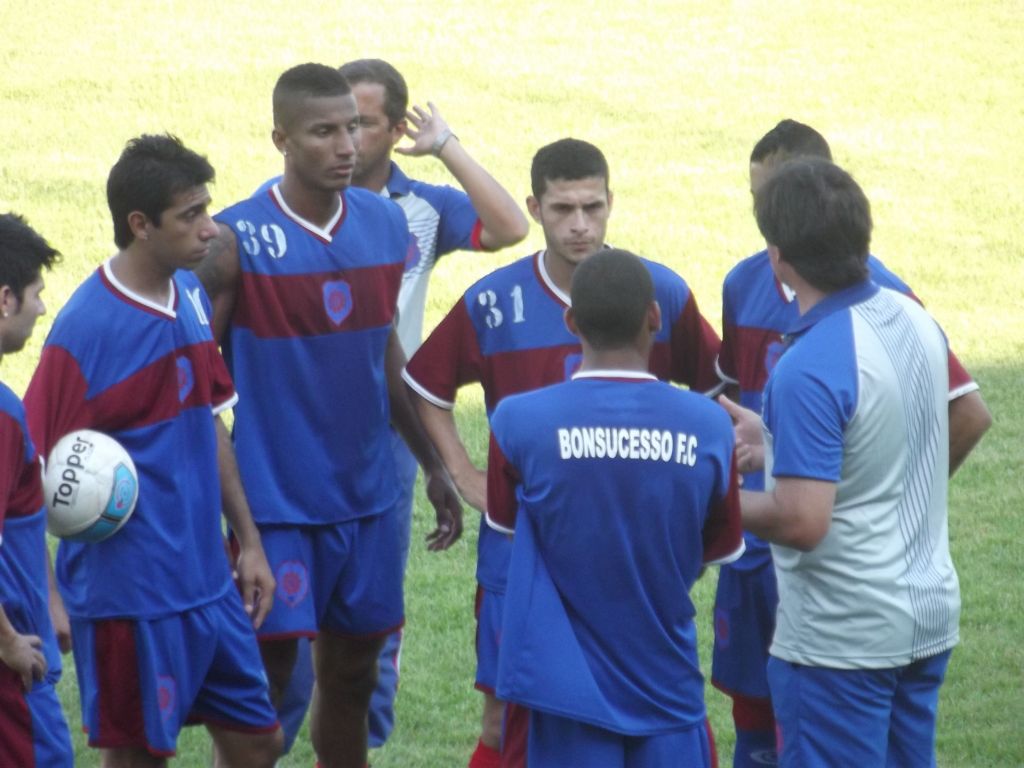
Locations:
{"points": [[271, 238], [495, 316]]}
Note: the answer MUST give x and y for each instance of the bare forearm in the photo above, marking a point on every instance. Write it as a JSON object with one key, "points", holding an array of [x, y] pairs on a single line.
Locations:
{"points": [[504, 223], [233, 501], [796, 513], [969, 419]]}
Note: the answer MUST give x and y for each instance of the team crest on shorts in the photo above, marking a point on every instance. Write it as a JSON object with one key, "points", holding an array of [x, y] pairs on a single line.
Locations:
{"points": [[186, 378], [572, 364], [721, 629], [167, 695], [337, 300], [292, 582]]}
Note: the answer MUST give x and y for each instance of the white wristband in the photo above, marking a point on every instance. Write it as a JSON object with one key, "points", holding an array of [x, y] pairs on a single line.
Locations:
{"points": [[441, 140]]}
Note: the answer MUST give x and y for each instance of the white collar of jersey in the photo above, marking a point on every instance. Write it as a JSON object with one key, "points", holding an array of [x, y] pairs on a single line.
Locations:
{"points": [[549, 282], [323, 233], [167, 309], [788, 292], [612, 373]]}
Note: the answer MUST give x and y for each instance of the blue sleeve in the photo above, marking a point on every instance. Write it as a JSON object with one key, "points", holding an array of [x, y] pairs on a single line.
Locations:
{"points": [[809, 399], [458, 229]]}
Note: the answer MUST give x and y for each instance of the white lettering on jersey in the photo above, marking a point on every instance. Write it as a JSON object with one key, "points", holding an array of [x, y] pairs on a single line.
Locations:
{"points": [[626, 443], [271, 238], [197, 303]]}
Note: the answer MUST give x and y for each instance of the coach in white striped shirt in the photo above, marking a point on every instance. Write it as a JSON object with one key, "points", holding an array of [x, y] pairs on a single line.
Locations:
{"points": [[856, 449]]}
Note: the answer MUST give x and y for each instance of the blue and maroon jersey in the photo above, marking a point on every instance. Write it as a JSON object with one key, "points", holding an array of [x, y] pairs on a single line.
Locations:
{"points": [[508, 334], [150, 376], [24, 585], [756, 310], [619, 489], [306, 347]]}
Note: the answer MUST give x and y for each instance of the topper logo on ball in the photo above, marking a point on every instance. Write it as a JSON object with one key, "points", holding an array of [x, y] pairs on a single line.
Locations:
{"points": [[70, 482]]}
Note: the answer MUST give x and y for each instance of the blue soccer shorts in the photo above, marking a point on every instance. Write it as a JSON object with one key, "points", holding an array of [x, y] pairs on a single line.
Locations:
{"points": [[745, 603], [33, 732], [863, 717], [555, 742], [141, 681], [344, 578], [489, 607]]}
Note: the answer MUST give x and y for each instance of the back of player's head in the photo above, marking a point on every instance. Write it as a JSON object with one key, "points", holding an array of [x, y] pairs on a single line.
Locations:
{"points": [[566, 160], [302, 82], [611, 293], [24, 253], [820, 220], [380, 72], [152, 169], [790, 140]]}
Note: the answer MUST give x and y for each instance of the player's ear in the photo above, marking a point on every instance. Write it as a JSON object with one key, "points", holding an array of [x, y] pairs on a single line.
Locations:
{"points": [[398, 131], [8, 301], [278, 137], [654, 317], [570, 322], [533, 206], [138, 223], [611, 199]]}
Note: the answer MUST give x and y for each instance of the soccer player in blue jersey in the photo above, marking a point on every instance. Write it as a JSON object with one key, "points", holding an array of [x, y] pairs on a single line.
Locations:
{"points": [[441, 219], [507, 333], [856, 460], [756, 310], [305, 278], [161, 635], [33, 731], [619, 488]]}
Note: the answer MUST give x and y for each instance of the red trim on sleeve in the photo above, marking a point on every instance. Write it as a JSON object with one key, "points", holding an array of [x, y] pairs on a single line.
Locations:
{"points": [[723, 530], [502, 479], [475, 235]]}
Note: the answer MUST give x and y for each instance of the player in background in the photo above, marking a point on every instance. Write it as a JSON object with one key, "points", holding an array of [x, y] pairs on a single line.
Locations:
{"points": [[33, 730], [757, 309], [161, 635], [856, 452], [305, 279], [441, 219], [618, 488], [508, 335]]}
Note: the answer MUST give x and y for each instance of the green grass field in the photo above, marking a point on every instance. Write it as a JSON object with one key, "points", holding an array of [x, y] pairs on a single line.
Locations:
{"points": [[921, 101]]}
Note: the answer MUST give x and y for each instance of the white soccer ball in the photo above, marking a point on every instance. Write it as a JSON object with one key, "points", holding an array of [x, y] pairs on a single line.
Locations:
{"points": [[90, 485]]}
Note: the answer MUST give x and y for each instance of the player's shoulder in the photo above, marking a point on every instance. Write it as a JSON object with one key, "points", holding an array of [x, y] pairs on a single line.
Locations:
{"points": [[10, 403], [369, 207], [752, 268], [519, 271]]}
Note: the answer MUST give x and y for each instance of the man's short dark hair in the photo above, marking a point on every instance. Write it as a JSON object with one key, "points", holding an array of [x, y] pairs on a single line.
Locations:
{"points": [[790, 140], [24, 253], [566, 160], [380, 72], [611, 293], [819, 219], [152, 169], [305, 81]]}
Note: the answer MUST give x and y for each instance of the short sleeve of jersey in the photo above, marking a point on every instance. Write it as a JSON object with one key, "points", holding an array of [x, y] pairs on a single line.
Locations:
{"points": [[56, 399], [723, 529], [449, 358], [807, 416], [695, 347], [459, 227], [726, 364], [12, 448], [960, 380], [502, 479]]}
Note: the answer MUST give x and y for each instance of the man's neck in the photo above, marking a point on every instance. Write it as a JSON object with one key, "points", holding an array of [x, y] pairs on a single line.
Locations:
{"points": [[315, 206], [375, 179], [137, 271], [624, 359], [559, 270]]}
